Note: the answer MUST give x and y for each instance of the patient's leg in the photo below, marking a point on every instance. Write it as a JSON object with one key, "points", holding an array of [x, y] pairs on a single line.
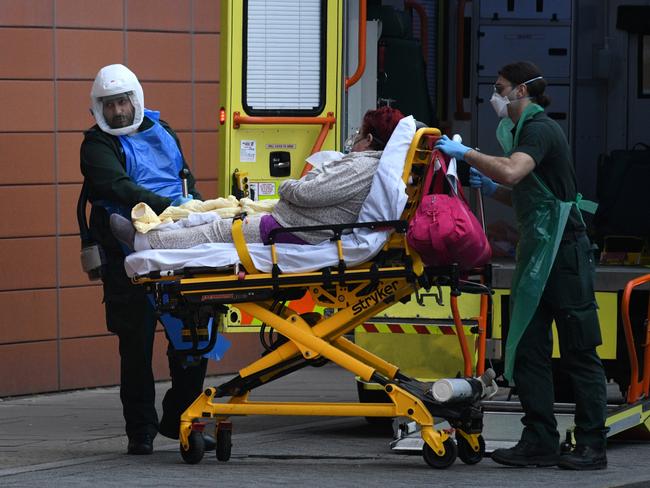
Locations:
{"points": [[217, 231]]}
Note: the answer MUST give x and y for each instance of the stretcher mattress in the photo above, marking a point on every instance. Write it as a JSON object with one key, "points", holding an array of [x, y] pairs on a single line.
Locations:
{"points": [[385, 201]]}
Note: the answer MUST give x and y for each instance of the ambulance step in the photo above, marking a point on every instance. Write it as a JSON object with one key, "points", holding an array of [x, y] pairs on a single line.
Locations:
{"points": [[515, 406], [501, 430]]}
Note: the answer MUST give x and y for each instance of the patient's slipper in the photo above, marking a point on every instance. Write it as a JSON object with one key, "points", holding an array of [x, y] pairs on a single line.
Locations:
{"points": [[123, 230]]}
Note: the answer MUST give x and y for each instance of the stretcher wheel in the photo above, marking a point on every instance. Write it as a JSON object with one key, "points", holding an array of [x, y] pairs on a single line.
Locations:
{"points": [[465, 451], [224, 443], [196, 448], [444, 461]]}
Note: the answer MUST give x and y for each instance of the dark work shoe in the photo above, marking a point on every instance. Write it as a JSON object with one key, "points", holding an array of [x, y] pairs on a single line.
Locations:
{"points": [[123, 230], [140, 444], [584, 458], [525, 454]]}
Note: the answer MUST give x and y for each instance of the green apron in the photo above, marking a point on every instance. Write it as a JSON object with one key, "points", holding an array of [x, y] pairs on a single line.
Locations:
{"points": [[541, 219], [504, 129]]}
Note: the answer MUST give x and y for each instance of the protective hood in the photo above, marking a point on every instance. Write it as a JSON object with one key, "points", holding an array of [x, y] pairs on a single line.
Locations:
{"points": [[114, 80]]}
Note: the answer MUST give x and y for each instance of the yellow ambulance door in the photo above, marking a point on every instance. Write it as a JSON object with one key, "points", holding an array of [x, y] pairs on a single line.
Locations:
{"points": [[280, 90]]}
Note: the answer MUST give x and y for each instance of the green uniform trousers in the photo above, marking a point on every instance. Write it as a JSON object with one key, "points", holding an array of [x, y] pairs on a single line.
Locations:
{"points": [[568, 299]]}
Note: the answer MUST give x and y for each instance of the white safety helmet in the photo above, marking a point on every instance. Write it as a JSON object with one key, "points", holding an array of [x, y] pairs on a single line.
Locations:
{"points": [[113, 80]]}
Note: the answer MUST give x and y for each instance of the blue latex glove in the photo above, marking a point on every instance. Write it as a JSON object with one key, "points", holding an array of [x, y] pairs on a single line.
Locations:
{"points": [[181, 200], [452, 148], [479, 180]]}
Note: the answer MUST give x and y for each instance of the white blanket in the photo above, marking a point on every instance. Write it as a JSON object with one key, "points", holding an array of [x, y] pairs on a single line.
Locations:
{"points": [[385, 201]]}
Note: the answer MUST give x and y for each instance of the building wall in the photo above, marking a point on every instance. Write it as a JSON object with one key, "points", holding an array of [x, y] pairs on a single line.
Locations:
{"points": [[52, 329]]}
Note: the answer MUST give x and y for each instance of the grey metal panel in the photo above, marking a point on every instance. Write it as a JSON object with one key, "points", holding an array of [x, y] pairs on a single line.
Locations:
{"points": [[594, 65], [361, 96], [591, 49], [527, 9], [638, 108], [487, 121], [589, 141], [617, 84], [431, 8], [501, 224], [548, 47], [560, 106], [608, 278]]}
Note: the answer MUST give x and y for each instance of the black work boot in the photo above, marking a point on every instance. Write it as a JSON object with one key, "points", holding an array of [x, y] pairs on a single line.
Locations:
{"points": [[584, 458], [140, 444], [525, 454]]}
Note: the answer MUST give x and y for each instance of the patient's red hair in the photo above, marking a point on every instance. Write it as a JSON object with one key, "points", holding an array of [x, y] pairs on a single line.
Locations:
{"points": [[380, 123]]}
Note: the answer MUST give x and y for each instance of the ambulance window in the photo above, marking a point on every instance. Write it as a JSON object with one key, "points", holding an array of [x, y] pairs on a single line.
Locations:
{"points": [[644, 66], [284, 57]]}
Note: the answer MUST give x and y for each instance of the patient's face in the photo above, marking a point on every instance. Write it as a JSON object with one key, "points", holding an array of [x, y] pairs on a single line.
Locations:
{"points": [[361, 143]]}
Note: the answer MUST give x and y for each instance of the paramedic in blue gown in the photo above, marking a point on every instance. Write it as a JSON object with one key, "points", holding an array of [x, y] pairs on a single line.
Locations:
{"points": [[132, 156], [553, 279]]}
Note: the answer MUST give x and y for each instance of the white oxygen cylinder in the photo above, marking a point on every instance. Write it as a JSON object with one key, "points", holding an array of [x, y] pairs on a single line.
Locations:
{"points": [[451, 389]]}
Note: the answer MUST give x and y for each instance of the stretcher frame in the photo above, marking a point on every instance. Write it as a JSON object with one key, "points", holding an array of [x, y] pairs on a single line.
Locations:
{"points": [[356, 294]]}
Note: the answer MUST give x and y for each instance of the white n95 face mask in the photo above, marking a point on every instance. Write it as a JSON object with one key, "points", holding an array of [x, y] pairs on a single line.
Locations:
{"points": [[500, 102], [500, 105]]}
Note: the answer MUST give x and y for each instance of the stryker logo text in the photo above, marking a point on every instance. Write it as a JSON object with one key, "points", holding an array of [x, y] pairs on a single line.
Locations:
{"points": [[378, 296]]}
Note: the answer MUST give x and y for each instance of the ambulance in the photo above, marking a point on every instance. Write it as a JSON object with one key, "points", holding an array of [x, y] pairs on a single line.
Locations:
{"points": [[298, 75]]}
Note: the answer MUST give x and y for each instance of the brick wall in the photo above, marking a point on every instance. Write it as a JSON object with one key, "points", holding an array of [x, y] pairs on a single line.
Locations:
{"points": [[52, 330]]}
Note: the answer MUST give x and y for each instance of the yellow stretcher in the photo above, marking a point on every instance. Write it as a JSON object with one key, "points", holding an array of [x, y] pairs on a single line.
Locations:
{"points": [[354, 294]]}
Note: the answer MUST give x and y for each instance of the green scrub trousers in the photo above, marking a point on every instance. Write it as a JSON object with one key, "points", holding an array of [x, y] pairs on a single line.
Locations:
{"points": [[569, 299]]}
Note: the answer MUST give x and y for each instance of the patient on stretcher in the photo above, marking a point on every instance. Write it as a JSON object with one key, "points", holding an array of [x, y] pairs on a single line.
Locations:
{"points": [[330, 194]]}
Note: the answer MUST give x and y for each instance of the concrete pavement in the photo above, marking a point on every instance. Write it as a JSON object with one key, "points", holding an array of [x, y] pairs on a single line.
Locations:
{"points": [[76, 439]]}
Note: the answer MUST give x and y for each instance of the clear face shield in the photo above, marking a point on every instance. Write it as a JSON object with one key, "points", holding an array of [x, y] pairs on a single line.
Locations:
{"points": [[116, 98], [111, 81], [118, 110]]}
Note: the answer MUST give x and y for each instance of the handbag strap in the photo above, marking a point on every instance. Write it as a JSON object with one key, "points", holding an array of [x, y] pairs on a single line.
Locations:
{"points": [[428, 177], [440, 176]]}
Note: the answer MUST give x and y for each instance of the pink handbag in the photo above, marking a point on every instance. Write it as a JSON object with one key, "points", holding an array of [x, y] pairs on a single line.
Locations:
{"points": [[444, 230]]}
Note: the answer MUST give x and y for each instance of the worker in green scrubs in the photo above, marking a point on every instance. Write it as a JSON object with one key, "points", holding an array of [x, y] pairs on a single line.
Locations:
{"points": [[553, 278]]}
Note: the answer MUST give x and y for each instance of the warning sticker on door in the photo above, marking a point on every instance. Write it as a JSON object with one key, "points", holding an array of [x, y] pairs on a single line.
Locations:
{"points": [[247, 152], [258, 190], [266, 189]]}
